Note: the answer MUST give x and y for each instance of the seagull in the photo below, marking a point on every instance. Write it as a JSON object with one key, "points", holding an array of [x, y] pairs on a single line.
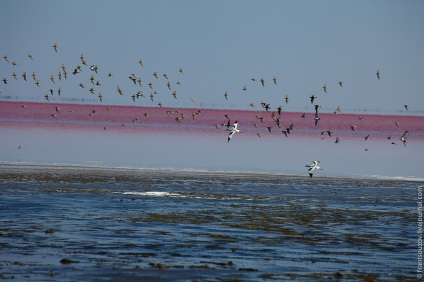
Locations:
{"points": [[232, 130], [316, 118], [312, 167]]}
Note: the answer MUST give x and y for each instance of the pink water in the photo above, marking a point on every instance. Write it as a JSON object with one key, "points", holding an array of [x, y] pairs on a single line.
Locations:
{"points": [[125, 136]]}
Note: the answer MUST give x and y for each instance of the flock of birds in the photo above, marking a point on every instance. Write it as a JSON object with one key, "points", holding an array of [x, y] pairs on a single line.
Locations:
{"points": [[93, 86]]}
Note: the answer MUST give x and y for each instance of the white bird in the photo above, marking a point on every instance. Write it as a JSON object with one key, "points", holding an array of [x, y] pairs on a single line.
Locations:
{"points": [[316, 118], [312, 167], [232, 130]]}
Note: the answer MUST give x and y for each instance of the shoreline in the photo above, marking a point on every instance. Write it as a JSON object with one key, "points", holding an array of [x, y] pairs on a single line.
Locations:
{"points": [[11, 168]]}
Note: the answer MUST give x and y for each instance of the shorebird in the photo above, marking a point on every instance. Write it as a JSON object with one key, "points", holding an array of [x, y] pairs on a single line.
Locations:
{"points": [[279, 109], [337, 140], [312, 167], [232, 130], [181, 70], [352, 126], [262, 82], [378, 74], [24, 75], [325, 88], [226, 95], [405, 106], [316, 118], [30, 56], [341, 83], [287, 99], [275, 80], [312, 97], [55, 46], [403, 137]]}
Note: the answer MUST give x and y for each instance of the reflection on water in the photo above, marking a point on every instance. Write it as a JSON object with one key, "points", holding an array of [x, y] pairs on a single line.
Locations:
{"points": [[62, 223]]}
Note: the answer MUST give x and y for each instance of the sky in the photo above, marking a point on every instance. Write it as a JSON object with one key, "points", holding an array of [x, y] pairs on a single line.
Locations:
{"points": [[220, 45]]}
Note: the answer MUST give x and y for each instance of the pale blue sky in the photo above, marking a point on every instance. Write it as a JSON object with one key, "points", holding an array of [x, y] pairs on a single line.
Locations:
{"points": [[222, 45]]}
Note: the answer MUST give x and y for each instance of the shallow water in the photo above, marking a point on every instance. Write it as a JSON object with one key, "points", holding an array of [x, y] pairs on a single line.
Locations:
{"points": [[62, 223]]}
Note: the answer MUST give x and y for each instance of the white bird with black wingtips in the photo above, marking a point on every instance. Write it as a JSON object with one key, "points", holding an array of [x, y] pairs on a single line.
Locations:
{"points": [[312, 167], [232, 130]]}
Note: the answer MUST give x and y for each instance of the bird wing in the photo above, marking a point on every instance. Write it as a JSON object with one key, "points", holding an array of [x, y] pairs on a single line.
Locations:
{"points": [[232, 132]]}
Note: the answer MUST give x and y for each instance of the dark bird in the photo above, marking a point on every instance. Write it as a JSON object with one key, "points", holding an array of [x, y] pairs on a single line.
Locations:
{"points": [[341, 83], [312, 97], [55, 47], [279, 109], [325, 88], [275, 80], [378, 74]]}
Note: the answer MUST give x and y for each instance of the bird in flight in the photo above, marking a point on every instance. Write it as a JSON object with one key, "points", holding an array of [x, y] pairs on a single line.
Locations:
{"points": [[312, 167], [316, 118], [233, 129], [55, 46]]}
